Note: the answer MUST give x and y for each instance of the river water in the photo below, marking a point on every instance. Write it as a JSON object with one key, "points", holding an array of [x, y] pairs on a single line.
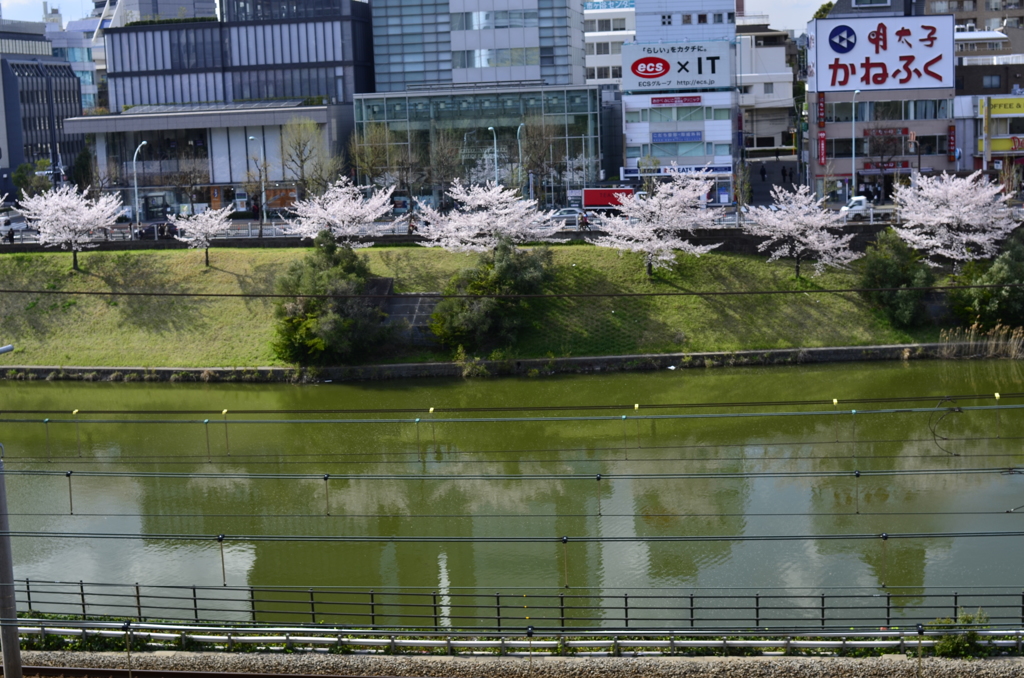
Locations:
{"points": [[444, 503]]}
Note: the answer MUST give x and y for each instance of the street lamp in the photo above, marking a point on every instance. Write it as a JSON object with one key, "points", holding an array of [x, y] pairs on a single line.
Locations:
{"points": [[519, 142], [135, 176], [853, 146], [495, 134], [263, 187]]}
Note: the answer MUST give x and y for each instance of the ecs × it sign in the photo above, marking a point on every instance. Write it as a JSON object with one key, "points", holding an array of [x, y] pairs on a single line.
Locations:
{"points": [[676, 66]]}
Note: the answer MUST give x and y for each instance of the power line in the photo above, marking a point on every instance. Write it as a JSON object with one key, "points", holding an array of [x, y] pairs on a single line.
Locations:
{"points": [[562, 295], [545, 408], [510, 476], [517, 420], [505, 516], [508, 539]]}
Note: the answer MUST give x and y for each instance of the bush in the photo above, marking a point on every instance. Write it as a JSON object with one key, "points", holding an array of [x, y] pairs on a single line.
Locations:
{"points": [[988, 307], [890, 264], [482, 321], [318, 331], [960, 644]]}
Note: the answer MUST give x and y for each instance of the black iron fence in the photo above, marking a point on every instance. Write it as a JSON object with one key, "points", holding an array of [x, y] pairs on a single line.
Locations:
{"points": [[513, 610]]}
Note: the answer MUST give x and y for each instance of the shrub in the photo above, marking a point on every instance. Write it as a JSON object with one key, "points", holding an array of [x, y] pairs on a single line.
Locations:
{"points": [[890, 264], [312, 330], [991, 306], [482, 320], [960, 644]]}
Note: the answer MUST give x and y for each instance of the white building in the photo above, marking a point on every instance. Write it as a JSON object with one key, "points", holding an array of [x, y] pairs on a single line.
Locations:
{"points": [[765, 81], [607, 25]]}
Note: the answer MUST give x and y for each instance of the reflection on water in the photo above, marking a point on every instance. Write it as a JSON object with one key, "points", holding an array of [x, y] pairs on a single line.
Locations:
{"points": [[527, 479]]}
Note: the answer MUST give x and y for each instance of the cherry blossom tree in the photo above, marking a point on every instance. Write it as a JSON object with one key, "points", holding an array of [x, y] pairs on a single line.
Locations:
{"points": [[342, 210], [199, 230], [799, 226], [652, 225], [482, 215], [66, 218], [955, 218]]}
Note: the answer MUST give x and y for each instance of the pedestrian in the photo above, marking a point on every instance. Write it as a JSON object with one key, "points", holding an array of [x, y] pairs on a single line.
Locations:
{"points": [[583, 223], [764, 173], [776, 155], [783, 175], [10, 236]]}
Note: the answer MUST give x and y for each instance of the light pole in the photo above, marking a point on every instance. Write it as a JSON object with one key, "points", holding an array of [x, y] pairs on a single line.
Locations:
{"points": [[519, 142], [495, 134], [135, 177], [263, 187], [853, 146], [9, 644]]}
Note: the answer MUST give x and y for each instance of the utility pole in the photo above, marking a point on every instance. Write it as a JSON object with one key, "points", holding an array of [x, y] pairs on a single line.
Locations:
{"points": [[9, 642]]}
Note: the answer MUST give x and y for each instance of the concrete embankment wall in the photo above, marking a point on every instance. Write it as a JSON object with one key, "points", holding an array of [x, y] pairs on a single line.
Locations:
{"points": [[893, 666], [524, 367]]}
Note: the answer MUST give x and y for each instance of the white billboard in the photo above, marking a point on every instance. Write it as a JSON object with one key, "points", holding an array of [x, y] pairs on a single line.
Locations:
{"points": [[880, 53], [676, 66]]}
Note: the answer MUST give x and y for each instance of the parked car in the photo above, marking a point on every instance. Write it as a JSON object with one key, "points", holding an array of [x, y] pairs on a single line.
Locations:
{"points": [[164, 232], [860, 208], [575, 218]]}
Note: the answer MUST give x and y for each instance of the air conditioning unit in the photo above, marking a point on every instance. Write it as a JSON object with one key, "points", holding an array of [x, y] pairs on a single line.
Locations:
{"points": [[971, 27], [760, 43]]}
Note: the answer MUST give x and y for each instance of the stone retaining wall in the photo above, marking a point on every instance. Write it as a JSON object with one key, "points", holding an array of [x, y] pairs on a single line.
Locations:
{"points": [[892, 666], [525, 367]]}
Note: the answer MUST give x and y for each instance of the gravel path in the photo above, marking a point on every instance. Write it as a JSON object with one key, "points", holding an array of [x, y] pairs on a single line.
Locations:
{"points": [[894, 666]]}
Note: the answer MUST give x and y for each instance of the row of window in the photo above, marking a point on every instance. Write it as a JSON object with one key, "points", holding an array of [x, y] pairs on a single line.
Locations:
{"points": [[688, 19], [602, 48], [494, 58], [604, 72], [483, 105], [975, 46], [603, 25], [77, 54], [681, 149], [39, 47], [1006, 126], [678, 114], [264, 10], [947, 6], [476, 21], [886, 148], [869, 111]]}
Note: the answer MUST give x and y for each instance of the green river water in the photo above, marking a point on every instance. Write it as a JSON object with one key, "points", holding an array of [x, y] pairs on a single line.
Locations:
{"points": [[475, 484]]}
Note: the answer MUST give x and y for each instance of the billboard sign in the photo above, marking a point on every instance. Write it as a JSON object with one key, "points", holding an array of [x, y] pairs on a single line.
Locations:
{"points": [[668, 137], [676, 66], [880, 53]]}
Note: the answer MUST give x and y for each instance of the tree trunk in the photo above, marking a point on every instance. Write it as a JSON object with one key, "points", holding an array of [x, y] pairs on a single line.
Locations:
{"points": [[207, 252], [74, 260], [650, 268], [798, 266]]}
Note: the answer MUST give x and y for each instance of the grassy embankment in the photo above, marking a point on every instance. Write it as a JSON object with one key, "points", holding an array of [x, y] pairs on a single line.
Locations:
{"points": [[121, 331]]}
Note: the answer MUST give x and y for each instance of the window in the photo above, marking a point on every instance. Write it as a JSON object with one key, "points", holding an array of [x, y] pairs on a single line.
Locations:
{"points": [[687, 113], [687, 19], [719, 18], [716, 113], [616, 48], [618, 24], [939, 6], [702, 18], [603, 48], [662, 114], [666, 19], [723, 149], [589, 25], [769, 88], [991, 81], [590, 49], [995, 45], [603, 73], [870, 3], [590, 74], [604, 24], [732, 17], [633, 152], [616, 71]]}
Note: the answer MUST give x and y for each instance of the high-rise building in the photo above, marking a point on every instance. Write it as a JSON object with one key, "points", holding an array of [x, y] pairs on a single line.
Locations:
{"points": [[75, 48], [607, 25], [38, 92]]}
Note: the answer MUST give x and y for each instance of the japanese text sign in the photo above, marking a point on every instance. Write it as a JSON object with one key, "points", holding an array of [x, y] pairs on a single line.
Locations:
{"points": [[881, 53], [653, 67]]}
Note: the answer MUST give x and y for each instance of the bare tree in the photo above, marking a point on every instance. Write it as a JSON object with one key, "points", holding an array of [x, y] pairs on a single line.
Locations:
{"points": [[255, 180], [193, 171], [306, 157], [541, 155], [368, 152], [445, 159]]}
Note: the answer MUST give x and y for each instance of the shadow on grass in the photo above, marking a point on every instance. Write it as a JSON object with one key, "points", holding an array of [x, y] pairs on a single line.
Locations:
{"points": [[128, 272], [604, 324], [23, 314]]}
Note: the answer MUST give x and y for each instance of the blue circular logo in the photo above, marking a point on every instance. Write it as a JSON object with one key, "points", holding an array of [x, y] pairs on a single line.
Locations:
{"points": [[842, 39]]}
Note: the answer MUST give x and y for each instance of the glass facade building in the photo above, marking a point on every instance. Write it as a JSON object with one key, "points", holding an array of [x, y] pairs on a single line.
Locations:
{"points": [[555, 131], [421, 43]]}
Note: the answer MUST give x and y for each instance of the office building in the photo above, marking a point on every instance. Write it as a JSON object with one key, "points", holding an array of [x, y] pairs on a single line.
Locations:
{"points": [[39, 91], [607, 25]]}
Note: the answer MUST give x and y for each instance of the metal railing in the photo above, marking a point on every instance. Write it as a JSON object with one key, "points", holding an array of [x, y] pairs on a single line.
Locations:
{"points": [[564, 610]]}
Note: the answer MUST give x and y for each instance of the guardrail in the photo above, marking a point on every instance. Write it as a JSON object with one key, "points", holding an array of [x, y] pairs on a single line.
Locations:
{"points": [[499, 610], [523, 642]]}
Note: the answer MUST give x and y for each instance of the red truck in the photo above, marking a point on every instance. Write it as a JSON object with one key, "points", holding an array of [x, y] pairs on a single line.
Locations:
{"points": [[603, 198]]}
